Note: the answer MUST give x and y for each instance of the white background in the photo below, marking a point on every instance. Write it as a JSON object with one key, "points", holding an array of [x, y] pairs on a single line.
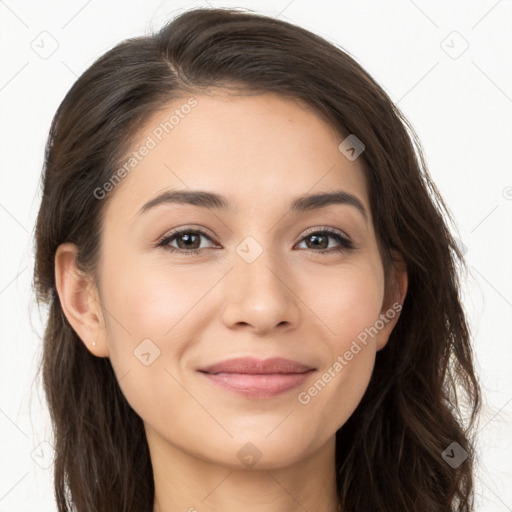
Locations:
{"points": [[461, 108]]}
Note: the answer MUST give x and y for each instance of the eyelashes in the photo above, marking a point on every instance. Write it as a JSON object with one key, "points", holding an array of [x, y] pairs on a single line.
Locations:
{"points": [[316, 236]]}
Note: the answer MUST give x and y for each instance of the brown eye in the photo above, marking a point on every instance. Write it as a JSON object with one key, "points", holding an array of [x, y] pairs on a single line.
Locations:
{"points": [[187, 240], [320, 240]]}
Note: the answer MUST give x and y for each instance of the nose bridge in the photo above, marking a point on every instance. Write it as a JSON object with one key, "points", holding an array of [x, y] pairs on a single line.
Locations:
{"points": [[261, 294]]}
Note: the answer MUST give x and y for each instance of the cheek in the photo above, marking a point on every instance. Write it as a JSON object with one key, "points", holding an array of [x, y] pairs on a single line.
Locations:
{"points": [[348, 307], [146, 309], [347, 300], [150, 301]]}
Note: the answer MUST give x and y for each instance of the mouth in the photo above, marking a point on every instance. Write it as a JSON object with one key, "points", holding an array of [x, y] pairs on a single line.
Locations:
{"points": [[252, 365], [253, 378]]}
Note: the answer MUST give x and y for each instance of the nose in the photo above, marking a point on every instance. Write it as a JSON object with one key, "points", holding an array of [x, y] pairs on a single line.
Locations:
{"points": [[260, 295]]}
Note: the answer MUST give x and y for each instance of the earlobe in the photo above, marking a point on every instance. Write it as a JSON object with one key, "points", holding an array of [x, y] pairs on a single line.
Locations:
{"points": [[79, 300]]}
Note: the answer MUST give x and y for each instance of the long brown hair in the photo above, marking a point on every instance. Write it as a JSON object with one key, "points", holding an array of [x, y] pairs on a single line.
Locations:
{"points": [[389, 454]]}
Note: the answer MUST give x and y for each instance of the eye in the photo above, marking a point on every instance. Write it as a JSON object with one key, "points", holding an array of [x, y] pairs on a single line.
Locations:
{"points": [[189, 241], [319, 238]]}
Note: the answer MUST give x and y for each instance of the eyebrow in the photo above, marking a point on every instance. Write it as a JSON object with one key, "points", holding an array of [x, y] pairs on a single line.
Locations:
{"points": [[211, 200]]}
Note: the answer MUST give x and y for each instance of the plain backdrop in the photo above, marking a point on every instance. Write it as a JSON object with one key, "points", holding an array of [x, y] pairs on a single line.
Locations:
{"points": [[448, 66]]}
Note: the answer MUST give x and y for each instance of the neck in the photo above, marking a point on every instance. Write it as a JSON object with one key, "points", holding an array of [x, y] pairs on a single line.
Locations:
{"points": [[191, 484]]}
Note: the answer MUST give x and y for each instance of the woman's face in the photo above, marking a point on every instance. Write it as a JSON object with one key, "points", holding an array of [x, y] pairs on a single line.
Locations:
{"points": [[259, 285]]}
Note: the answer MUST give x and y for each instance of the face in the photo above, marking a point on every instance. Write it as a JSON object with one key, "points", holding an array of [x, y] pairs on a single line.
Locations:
{"points": [[255, 278]]}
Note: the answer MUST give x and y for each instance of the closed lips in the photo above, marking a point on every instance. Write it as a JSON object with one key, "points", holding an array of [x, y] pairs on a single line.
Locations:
{"points": [[254, 366], [256, 379]]}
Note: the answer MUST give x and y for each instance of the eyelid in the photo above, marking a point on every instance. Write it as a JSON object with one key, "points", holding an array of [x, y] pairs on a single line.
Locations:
{"points": [[310, 231], [344, 239], [192, 227], [205, 231]]}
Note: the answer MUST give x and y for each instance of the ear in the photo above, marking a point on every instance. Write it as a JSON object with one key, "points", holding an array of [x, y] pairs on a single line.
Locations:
{"points": [[394, 297], [80, 301]]}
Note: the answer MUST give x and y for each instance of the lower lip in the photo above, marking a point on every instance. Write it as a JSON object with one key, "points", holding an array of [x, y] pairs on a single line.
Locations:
{"points": [[258, 385]]}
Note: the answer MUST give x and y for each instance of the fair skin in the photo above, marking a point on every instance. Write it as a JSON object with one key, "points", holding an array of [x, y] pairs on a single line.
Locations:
{"points": [[261, 152]]}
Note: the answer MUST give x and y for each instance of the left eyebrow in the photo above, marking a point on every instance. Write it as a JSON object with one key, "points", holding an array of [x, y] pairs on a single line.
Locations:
{"points": [[317, 201], [214, 201]]}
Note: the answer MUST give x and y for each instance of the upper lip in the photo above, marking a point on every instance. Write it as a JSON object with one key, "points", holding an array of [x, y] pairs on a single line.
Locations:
{"points": [[252, 365]]}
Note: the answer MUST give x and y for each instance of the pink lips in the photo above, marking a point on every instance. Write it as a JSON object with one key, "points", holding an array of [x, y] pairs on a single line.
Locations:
{"points": [[257, 378]]}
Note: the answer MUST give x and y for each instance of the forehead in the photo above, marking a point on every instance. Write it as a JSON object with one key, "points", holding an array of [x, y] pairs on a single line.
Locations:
{"points": [[255, 149]]}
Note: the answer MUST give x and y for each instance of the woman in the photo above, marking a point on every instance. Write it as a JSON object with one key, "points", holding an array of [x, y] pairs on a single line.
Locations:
{"points": [[254, 299]]}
